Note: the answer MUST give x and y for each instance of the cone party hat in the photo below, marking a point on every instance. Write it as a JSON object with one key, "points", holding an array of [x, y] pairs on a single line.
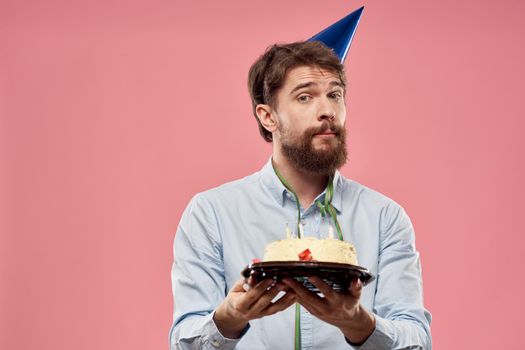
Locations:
{"points": [[339, 35]]}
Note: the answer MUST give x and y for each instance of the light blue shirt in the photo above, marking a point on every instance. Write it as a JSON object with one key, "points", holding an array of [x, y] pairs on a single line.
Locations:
{"points": [[224, 228]]}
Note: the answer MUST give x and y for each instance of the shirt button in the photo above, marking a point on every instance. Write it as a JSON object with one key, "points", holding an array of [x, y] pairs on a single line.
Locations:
{"points": [[216, 343]]}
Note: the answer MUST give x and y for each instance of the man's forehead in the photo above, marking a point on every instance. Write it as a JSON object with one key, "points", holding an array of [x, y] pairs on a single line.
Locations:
{"points": [[311, 74]]}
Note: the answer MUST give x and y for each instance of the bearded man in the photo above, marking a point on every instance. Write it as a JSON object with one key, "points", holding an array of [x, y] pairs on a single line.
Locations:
{"points": [[297, 92]]}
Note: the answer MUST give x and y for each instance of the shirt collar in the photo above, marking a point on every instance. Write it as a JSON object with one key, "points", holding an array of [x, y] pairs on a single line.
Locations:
{"points": [[272, 183], [279, 192]]}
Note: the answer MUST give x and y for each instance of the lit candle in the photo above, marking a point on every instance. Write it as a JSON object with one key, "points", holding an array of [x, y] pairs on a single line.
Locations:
{"points": [[301, 231], [330, 232]]}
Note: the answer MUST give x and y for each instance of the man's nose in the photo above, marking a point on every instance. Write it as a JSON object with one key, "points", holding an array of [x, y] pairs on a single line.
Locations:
{"points": [[326, 110]]}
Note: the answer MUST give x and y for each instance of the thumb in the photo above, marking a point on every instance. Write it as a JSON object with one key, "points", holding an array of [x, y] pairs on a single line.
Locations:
{"points": [[356, 287], [237, 287]]}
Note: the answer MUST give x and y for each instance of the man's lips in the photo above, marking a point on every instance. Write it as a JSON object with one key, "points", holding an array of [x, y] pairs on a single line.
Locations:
{"points": [[326, 133]]}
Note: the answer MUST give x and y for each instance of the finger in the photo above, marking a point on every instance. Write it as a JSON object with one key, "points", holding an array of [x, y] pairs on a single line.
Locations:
{"points": [[251, 281], [294, 285], [356, 288], [238, 286], [304, 296], [324, 288], [251, 296], [299, 288], [262, 286], [285, 302], [266, 299]]}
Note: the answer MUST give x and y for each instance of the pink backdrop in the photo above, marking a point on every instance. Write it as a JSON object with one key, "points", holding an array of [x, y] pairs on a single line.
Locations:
{"points": [[114, 113]]}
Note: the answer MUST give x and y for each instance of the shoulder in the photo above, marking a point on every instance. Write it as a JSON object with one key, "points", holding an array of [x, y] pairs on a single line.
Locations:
{"points": [[374, 203], [364, 194], [205, 209], [229, 191]]}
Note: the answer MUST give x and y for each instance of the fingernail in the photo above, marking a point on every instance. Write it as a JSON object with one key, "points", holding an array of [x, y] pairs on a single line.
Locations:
{"points": [[246, 287]]}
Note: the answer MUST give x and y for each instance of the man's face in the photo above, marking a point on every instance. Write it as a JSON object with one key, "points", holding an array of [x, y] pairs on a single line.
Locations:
{"points": [[310, 112]]}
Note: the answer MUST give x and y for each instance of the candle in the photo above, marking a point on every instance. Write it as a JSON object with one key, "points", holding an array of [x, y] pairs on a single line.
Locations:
{"points": [[301, 231], [288, 233]]}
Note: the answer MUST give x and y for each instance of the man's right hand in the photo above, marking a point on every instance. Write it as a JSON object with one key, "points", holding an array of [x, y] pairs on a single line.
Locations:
{"points": [[241, 306]]}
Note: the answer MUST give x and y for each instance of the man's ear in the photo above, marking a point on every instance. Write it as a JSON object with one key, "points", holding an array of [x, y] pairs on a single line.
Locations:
{"points": [[266, 116]]}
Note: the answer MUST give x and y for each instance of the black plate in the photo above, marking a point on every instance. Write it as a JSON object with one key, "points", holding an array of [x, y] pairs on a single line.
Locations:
{"points": [[338, 276]]}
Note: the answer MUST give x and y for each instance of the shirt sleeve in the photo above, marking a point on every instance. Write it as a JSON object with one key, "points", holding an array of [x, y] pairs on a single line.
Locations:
{"points": [[198, 282], [402, 322]]}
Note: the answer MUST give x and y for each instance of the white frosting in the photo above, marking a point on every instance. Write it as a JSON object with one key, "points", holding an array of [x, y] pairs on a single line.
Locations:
{"points": [[325, 250]]}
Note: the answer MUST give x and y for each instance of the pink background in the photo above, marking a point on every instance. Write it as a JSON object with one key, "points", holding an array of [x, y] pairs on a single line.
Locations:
{"points": [[114, 113]]}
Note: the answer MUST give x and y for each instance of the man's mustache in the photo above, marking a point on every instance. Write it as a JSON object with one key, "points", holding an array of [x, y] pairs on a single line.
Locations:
{"points": [[326, 126]]}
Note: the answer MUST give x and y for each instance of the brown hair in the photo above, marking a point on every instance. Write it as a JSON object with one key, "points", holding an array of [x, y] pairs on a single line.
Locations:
{"points": [[267, 74]]}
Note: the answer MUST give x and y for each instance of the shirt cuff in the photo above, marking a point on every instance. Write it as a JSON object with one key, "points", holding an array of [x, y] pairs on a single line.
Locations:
{"points": [[215, 340], [381, 338]]}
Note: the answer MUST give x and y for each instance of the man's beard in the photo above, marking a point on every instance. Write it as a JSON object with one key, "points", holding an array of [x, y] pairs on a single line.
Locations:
{"points": [[301, 152]]}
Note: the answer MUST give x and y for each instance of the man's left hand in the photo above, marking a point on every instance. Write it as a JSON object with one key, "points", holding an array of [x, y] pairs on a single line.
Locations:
{"points": [[341, 309]]}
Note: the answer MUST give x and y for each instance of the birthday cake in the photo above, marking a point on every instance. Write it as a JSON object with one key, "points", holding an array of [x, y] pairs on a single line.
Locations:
{"points": [[311, 249]]}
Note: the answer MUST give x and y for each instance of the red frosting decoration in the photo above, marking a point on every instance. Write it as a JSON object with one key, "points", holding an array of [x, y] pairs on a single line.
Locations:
{"points": [[255, 260], [305, 255]]}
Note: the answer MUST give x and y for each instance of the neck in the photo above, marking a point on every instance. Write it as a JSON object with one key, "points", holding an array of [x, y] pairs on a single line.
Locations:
{"points": [[307, 186]]}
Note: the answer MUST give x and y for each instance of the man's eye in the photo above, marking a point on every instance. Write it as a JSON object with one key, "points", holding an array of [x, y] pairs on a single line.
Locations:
{"points": [[303, 98], [336, 95]]}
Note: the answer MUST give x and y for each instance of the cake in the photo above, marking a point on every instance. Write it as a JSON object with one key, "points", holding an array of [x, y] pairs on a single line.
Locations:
{"points": [[311, 249]]}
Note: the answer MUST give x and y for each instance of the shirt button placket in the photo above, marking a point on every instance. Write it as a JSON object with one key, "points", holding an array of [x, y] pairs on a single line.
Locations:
{"points": [[306, 330]]}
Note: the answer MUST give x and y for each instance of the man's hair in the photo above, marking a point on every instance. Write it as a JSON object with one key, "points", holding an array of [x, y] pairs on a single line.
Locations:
{"points": [[268, 73]]}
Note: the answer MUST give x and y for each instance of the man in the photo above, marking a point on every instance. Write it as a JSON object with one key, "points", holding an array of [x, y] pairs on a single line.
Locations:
{"points": [[298, 94]]}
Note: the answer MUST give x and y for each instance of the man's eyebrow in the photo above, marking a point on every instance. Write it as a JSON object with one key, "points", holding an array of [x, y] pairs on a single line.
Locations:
{"points": [[337, 83], [302, 86], [311, 83]]}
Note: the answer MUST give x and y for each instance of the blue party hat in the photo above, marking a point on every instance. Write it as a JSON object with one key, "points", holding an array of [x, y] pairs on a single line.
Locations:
{"points": [[340, 34]]}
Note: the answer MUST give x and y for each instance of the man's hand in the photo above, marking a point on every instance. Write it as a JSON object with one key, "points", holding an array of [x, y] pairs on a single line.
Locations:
{"points": [[341, 309], [241, 306]]}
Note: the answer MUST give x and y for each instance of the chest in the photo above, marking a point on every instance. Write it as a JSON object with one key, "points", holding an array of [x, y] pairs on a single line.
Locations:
{"points": [[246, 231]]}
